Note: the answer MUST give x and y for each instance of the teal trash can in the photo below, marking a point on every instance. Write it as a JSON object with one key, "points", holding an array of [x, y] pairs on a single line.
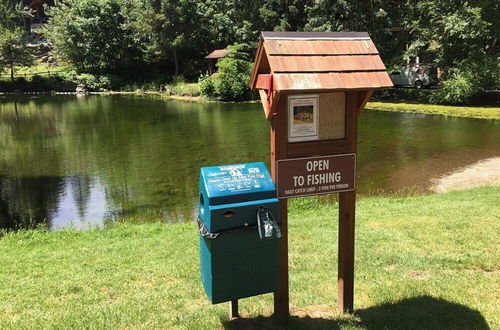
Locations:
{"points": [[239, 233]]}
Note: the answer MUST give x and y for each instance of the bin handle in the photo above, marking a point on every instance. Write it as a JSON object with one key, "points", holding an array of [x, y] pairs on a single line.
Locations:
{"points": [[266, 224]]}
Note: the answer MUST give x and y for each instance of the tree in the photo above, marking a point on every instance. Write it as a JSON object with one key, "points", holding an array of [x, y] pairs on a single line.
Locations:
{"points": [[95, 35], [13, 43], [176, 24], [14, 50], [462, 40]]}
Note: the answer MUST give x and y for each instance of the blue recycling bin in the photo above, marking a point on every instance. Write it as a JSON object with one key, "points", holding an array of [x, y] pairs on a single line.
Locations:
{"points": [[239, 232]]}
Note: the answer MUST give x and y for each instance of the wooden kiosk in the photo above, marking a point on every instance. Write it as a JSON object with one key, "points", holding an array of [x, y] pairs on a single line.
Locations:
{"points": [[313, 87]]}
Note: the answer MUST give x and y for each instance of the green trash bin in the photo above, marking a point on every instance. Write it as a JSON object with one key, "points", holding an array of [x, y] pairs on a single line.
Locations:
{"points": [[239, 233]]}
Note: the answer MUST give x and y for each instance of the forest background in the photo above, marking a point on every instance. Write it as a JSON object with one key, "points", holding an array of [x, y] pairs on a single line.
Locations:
{"points": [[108, 44]]}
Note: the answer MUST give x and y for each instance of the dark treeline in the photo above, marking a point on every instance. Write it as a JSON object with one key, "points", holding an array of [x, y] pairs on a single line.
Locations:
{"points": [[99, 36], [181, 32]]}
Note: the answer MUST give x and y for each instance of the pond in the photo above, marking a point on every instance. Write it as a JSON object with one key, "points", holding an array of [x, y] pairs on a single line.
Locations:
{"points": [[75, 161]]}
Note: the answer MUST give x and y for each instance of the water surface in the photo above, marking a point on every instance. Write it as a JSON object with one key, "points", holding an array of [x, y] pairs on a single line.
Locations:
{"points": [[67, 160]]}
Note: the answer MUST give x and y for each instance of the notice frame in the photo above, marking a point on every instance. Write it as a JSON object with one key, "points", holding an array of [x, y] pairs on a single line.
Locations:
{"points": [[303, 124]]}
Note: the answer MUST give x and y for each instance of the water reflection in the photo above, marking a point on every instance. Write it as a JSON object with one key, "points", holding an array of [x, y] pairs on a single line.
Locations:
{"points": [[82, 204], [75, 161]]}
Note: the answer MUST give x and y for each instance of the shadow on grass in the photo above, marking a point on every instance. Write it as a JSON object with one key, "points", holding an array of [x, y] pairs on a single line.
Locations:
{"points": [[423, 312]]}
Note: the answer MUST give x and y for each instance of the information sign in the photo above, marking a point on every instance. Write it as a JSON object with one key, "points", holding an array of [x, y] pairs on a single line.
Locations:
{"points": [[315, 175]]}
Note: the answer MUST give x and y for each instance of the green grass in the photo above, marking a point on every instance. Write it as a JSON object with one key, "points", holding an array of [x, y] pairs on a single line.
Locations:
{"points": [[447, 110], [428, 262], [181, 88], [28, 72]]}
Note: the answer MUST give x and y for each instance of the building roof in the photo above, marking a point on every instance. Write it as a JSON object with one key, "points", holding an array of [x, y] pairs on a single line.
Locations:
{"points": [[218, 53], [296, 61]]}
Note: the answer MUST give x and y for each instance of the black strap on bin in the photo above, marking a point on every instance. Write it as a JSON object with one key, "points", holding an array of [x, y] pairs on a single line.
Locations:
{"points": [[266, 226]]}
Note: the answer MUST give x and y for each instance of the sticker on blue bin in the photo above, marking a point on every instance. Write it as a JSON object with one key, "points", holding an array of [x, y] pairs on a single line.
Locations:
{"points": [[236, 178]]}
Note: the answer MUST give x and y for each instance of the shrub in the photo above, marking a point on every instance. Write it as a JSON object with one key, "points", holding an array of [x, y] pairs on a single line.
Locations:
{"points": [[459, 88], [94, 83], [207, 86], [230, 83], [52, 83], [466, 81]]}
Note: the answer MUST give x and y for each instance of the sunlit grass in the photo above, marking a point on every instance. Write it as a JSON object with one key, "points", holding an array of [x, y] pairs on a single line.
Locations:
{"points": [[27, 72], [447, 110], [182, 88], [421, 262]]}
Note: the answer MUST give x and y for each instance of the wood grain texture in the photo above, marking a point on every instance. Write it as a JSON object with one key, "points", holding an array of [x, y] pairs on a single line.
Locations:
{"points": [[320, 47], [347, 208], [279, 139], [325, 63], [331, 81], [265, 103], [262, 81]]}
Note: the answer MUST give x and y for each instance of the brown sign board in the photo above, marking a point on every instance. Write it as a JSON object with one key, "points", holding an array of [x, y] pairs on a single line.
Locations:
{"points": [[311, 176]]}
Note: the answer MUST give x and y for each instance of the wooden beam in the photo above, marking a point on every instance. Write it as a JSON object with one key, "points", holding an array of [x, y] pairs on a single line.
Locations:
{"points": [[265, 103], [347, 207], [363, 99], [262, 81], [233, 309], [256, 65], [279, 139]]}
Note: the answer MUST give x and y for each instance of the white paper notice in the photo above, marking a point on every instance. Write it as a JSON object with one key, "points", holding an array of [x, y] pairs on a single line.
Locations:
{"points": [[302, 118]]}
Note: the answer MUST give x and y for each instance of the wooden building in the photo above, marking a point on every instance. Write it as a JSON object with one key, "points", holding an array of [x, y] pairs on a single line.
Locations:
{"points": [[213, 57]]}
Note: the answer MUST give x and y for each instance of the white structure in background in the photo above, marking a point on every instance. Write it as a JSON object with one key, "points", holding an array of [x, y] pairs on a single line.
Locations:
{"points": [[412, 75]]}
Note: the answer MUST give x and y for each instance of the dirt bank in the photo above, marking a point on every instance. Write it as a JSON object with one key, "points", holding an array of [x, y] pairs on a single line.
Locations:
{"points": [[483, 173]]}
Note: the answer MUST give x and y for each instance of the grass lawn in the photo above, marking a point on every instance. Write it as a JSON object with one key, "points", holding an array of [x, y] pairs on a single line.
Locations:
{"points": [[423, 262], [447, 110]]}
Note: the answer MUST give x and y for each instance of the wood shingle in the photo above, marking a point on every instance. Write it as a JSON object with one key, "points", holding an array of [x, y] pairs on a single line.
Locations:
{"points": [[322, 61]]}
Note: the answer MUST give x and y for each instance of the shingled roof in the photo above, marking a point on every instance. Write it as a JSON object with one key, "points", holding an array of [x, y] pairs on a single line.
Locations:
{"points": [[300, 61], [218, 53]]}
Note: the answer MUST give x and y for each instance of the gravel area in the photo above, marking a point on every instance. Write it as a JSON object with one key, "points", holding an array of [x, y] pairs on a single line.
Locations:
{"points": [[483, 173]]}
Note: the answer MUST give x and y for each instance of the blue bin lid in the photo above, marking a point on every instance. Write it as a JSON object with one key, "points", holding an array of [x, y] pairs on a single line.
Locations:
{"points": [[237, 183]]}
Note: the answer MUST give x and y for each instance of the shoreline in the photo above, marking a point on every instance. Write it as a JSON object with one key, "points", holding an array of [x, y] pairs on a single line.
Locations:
{"points": [[485, 172], [476, 112], [479, 112]]}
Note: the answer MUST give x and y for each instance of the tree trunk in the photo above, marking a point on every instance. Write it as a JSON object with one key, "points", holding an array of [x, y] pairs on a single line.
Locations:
{"points": [[12, 72], [373, 19], [176, 62]]}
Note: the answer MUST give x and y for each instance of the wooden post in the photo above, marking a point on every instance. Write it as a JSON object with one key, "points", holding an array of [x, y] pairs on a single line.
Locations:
{"points": [[347, 208], [281, 296], [279, 142], [233, 309], [347, 204]]}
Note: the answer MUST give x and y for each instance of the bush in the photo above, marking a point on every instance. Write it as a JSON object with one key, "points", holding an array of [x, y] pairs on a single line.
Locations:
{"points": [[207, 86], [53, 83], [460, 88], [466, 81], [230, 83], [93, 83]]}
